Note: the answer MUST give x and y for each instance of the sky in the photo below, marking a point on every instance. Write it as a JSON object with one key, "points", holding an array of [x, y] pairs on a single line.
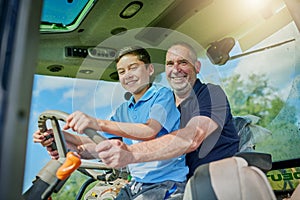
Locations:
{"points": [[99, 98], [64, 12]]}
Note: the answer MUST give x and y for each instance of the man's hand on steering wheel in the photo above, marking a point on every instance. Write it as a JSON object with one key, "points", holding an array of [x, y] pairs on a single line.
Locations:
{"points": [[59, 142], [46, 139]]}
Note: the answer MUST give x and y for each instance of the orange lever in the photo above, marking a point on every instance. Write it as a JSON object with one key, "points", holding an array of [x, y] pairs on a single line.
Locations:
{"points": [[70, 165]]}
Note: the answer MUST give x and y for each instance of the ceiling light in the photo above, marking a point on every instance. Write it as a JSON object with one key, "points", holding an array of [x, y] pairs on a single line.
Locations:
{"points": [[86, 71], [103, 53], [131, 9]]}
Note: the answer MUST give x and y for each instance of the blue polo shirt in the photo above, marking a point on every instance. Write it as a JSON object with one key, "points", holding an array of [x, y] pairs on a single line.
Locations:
{"points": [[158, 104], [210, 100]]}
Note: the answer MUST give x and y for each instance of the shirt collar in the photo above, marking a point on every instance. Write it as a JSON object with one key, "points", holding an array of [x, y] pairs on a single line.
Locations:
{"points": [[196, 89], [148, 94], [197, 85]]}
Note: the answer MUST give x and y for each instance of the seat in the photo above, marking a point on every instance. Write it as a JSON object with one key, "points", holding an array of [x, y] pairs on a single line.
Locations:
{"points": [[227, 179], [296, 193]]}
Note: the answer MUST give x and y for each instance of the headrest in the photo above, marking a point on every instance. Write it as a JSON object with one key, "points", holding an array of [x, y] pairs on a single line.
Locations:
{"points": [[260, 160]]}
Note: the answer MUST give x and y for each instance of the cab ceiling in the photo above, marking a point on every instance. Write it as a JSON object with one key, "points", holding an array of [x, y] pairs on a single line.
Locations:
{"points": [[204, 21]]}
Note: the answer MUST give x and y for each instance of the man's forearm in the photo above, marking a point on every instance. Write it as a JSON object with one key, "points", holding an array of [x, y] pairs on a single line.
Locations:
{"points": [[168, 146], [115, 153]]}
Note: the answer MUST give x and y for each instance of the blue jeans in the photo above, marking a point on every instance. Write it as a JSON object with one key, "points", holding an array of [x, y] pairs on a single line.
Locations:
{"points": [[170, 190]]}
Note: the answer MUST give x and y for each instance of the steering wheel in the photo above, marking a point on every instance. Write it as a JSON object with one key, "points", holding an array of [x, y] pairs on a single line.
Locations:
{"points": [[60, 144], [55, 173]]}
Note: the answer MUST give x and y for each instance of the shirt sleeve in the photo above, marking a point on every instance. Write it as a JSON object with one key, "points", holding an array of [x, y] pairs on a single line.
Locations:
{"points": [[215, 105], [164, 110]]}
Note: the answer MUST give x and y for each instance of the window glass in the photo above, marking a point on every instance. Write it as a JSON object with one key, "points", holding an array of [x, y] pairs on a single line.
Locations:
{"points": [[265, 85], [63, 15]]}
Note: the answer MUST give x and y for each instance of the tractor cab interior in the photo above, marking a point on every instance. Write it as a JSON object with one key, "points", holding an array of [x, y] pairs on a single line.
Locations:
{"points": [[58, 55]]}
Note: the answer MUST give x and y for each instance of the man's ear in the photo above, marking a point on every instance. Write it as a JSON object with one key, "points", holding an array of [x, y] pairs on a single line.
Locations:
{"points": [[151, 69], [197, 66]]}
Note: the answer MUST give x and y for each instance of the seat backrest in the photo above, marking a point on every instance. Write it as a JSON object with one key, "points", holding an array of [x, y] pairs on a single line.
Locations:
{"points": [[249, 132], [228, 179], [296, 193]]}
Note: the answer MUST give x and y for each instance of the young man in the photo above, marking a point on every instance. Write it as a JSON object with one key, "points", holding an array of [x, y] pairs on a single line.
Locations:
{"points": [[149, 113], [207, 132]]}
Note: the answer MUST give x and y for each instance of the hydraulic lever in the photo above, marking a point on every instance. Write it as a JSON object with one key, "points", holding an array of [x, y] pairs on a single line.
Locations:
{"points": [[71, 163]]}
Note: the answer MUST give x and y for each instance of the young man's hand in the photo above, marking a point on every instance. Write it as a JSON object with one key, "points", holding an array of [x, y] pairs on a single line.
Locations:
{"points": [[80, 121]]}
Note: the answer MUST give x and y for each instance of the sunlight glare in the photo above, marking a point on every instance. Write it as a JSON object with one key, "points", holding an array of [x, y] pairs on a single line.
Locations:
{"points": [[256, 4]]}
